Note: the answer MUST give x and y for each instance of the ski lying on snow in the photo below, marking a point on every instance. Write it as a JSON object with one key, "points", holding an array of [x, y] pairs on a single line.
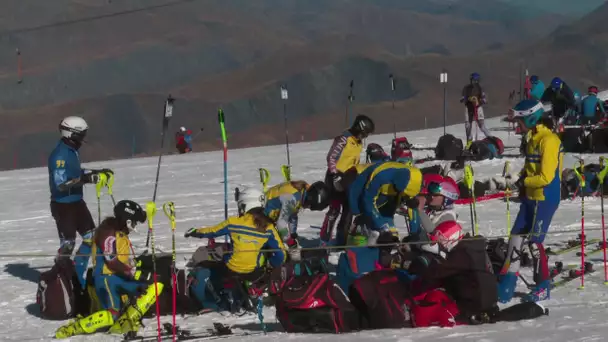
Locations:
{"points": [[218, 331], [599, 248], [550, 251], [573, 274]]}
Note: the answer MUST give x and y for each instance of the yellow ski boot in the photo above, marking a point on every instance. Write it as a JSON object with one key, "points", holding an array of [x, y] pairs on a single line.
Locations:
{"points": [[86, 325], [130, 319], [469, 143]]}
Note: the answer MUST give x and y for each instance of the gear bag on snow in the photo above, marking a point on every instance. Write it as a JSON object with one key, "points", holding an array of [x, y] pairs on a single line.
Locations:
{"points": [[315, 304], [448, 148], [55, 293]]}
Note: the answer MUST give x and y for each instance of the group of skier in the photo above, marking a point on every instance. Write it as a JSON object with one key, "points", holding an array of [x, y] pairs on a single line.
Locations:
{"points": [[365, 197]]}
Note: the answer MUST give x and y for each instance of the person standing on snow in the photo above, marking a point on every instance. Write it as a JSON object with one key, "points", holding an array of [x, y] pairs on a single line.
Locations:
{"points": [[66, 180], [539, 186], [343, 155], [561, 97], [590, 106], [538, 88], [378, 192], [474, 98], [115, 273]]}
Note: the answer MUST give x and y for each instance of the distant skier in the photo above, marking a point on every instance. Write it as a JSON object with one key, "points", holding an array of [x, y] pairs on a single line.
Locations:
{"points": [[539, 186], [538, 88], [561, 97], [590, 107], [183, 140], [66, 179], [474, 98], [343, 155]]}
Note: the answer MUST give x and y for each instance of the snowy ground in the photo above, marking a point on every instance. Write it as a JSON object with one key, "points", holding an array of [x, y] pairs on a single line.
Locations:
{"points": [[194, 183]]}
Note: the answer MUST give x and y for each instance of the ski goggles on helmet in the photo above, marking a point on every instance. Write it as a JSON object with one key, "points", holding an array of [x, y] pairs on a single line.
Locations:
{"points": [[439, 189]]}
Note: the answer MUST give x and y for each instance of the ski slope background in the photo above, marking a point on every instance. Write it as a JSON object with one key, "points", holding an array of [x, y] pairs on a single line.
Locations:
{"points": [[195, 183]]}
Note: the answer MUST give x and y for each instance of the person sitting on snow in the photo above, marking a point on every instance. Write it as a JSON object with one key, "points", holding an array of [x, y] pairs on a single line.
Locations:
{"points": [[590, 107], [115, 273], [249, 235]]}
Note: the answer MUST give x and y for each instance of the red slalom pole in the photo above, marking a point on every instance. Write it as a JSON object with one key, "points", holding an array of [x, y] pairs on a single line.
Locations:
{"points": [[601, 177], [581, 178]]}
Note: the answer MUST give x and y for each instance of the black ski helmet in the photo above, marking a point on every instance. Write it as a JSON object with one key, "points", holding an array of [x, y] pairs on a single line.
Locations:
{"points": [[362, 125], [317, 196], [129, 213], [375, 153]]}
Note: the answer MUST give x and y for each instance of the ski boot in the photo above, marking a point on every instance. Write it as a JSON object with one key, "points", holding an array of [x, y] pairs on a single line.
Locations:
{"points": [[506, 286], [130, 320], [86, 325], [542, 291], [294, 247]]}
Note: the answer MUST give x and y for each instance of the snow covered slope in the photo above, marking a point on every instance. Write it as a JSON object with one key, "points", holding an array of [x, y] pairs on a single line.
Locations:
{"points": [[194, 183]]}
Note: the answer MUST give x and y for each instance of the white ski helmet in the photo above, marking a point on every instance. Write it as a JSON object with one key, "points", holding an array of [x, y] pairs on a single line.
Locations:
{"points": [[248, 198], [183, 129], [73, 128]]}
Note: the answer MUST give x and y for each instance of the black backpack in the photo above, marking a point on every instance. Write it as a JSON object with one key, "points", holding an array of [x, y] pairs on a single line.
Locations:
{"points": [[55, 293], [448, 148]]}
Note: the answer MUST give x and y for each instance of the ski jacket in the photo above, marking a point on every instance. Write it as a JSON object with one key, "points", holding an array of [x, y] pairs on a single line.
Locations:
{"points": [[344, 153], [64, 165], [188, 140], [283, 203], [537, 91], [471, 90], [113, 252], [466, 275], [543, 166], [561, 101], [247, 242], [590, 105], [383, 185]]}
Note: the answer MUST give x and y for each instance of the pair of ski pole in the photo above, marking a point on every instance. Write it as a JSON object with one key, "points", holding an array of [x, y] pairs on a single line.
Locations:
{"points": [[106, 180]]}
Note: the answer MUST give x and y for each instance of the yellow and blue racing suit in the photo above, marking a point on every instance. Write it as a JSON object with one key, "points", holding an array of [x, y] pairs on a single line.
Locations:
{"points": [[378, 191], [283, 203]]}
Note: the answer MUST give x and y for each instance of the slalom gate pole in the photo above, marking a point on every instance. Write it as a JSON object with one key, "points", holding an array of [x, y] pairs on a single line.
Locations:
{"points": [[169, 209], [581, 178], [284, 97], [110, 186], [222, 122], [286, 171], [166, 116], [393, 99], [351, 98], [150, 212], [505, 172], [469, 182], [601, 176]]}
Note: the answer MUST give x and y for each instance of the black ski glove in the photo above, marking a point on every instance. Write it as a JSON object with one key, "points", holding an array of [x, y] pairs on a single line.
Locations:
{"points": [[90, 178], [412, 203]]}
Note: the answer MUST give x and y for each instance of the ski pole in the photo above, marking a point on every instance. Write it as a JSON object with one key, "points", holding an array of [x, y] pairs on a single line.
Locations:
{"points": [[169, 209], [286, 171], [284, 97], [505, 172], [110, 186], [221, 120], [581, 178], [166, 116], [264, 178], [151, 211], [393, 92], [101, 183], [601, 176], [351, 98]]}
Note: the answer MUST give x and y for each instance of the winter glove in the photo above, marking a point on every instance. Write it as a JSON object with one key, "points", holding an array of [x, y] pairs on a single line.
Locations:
{"points": [[190, 232], [337, 183], [90, 178], [106, 171]]}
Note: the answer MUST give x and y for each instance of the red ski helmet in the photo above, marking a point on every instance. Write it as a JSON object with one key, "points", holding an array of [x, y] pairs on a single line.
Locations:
{"points": [[447, 188], [447, 235], [593, 90]]}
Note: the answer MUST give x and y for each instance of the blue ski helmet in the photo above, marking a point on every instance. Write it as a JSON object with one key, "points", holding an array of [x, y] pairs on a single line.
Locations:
{"points": [[475, 77], [556, 83], [534, 79], [529, 112]]}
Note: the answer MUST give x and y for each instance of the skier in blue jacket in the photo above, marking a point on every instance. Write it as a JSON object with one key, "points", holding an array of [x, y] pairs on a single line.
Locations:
{"points": [[538, 88], [590, 106], [66, 180]]}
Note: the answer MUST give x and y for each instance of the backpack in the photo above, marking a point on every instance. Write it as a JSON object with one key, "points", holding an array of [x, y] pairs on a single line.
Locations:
{"points": [[498, 144], [448, 148], [55, 293], [380, 297], [480, 150], [315, 304]]}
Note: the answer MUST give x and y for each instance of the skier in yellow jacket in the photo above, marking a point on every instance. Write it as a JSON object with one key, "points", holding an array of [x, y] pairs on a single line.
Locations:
{"points": [[540, 186], [344, 154]]}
